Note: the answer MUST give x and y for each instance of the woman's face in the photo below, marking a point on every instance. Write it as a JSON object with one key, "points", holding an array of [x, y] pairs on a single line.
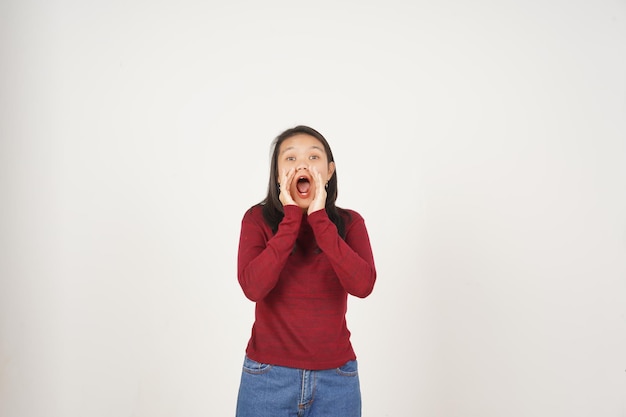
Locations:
{"points": [[303, 152]]}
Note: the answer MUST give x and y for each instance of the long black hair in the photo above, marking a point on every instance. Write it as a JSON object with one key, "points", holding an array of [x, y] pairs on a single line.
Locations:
{"points": [[272, 207]]}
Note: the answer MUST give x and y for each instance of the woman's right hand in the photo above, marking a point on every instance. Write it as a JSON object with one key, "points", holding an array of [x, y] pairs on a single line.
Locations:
{"points": [[286, 178]]}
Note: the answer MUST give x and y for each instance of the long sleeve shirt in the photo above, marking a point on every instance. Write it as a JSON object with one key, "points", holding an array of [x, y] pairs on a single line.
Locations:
{"points": [[300, 278]]}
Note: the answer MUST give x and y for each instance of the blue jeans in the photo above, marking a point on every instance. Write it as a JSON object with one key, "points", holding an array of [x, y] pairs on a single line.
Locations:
{"points": [[277, 391]]}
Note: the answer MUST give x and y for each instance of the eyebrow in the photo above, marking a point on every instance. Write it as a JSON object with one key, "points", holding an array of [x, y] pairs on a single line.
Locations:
{"points": [[319, 148]]}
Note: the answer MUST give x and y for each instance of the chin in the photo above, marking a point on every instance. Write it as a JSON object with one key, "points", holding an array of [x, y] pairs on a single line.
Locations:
{"points": [[303, 204]]}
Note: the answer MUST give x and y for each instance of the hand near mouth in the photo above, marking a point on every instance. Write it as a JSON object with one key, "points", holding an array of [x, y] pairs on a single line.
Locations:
{"points": [[285, 187], [319, 201]]}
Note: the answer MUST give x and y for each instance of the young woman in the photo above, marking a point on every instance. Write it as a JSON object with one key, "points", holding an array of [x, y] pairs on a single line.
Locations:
{"points": [[299, 258]]}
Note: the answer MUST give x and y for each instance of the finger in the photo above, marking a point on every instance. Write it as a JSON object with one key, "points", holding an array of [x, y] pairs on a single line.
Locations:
{"points": [[285, 179], [320, 183], [317, 177], [319, 200], [290, 176], [285, 187]]}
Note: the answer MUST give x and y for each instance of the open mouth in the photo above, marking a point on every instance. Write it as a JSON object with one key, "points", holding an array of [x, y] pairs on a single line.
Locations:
{"points": [[303, 185]]}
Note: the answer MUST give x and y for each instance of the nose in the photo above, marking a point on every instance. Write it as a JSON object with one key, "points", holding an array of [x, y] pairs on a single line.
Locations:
{"points": [[301, 166]]}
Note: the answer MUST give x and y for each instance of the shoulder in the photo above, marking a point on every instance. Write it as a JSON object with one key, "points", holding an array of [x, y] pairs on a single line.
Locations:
{"points": [[254, 213], [254, 220], [350, 216]]}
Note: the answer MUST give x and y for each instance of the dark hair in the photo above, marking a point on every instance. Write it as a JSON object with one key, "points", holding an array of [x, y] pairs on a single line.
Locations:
{"points": [[272, 207]]}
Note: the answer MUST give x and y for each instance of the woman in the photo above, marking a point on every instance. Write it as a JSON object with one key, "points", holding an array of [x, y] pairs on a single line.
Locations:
{"points": [[299, 258]]}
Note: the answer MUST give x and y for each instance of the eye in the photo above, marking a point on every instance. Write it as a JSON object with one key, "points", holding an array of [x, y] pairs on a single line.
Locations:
{"points": [[290, 158], [314, 157]]}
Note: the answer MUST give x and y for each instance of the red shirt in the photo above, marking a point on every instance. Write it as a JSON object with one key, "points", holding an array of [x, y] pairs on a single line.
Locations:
{"points": [[300, 279]]}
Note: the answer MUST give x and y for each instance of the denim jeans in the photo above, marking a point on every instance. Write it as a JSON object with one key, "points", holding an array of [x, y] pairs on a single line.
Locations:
{"points": [[277, 391]]}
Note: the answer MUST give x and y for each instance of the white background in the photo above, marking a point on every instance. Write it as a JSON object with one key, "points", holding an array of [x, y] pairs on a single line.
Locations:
{"points": [[483, 141]]}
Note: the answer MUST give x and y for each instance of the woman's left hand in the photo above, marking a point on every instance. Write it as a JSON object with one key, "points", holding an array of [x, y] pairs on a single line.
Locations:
{"points": [[319, 201]]}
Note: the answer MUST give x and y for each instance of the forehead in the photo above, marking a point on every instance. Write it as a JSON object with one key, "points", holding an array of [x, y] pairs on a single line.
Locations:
{"points": [[301, 142]]}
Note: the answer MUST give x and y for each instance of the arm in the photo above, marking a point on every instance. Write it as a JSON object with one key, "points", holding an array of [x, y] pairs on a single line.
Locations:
{"points": [[260, 261], [351, 259]]}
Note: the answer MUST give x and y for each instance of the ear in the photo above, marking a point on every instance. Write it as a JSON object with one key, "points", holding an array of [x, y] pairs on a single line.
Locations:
{"points": [[331, 170]]}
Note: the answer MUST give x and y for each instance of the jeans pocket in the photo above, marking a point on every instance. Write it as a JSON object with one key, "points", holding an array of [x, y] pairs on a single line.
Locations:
{"points": [[349, 368], [251, 366]]}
